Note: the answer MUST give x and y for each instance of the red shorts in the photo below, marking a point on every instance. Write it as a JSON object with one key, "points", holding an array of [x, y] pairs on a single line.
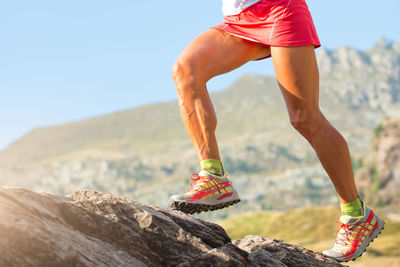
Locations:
{"points": [[274, 23]]}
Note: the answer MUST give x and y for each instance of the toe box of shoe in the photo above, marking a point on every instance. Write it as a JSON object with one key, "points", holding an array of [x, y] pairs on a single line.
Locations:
{"points": [[332, 253]]}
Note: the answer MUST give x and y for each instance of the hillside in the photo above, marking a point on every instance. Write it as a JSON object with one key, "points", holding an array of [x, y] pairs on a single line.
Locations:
{"points": [[314, 228], [379, 175], [145, 153]]}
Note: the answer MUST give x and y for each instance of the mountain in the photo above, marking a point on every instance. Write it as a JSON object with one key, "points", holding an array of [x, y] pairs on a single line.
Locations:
{"points": [[363, 79], [90, 228], [145, 153], [379, 176]]}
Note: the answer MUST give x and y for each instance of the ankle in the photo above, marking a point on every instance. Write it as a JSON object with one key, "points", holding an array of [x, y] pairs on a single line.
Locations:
{"points": [[212, 166], [353, 209]]}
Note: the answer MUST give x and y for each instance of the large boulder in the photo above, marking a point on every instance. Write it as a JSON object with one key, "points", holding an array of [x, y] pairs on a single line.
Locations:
{"points": [[379, 179], [90, 228]]}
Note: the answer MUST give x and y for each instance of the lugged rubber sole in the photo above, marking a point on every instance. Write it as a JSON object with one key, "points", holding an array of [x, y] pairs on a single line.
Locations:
{"points": [[372, 240], [191, 208]]}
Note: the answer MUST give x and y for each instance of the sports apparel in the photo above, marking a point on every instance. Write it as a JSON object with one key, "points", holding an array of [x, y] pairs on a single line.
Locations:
{"points": [[353, 209], [234, 7], [354, 235], [207, 192], [212, 166], [273, 23]]}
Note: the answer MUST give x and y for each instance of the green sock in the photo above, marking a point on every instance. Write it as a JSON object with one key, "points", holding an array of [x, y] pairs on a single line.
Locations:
{"points": [[212, 166], [353, 209]]}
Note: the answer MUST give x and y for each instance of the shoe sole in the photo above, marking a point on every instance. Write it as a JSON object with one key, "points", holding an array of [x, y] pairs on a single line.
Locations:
{"points": [[191, 208], [372, 240]]}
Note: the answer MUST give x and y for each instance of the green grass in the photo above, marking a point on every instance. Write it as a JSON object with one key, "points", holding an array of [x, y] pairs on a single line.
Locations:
{"points": [[297, 224], [252, 223], [313, 228]]}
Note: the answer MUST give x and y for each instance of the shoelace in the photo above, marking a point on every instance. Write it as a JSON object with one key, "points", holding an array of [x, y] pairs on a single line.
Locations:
{"points": [[207, 180], [347, 236], [342, 236], [197, 178]]}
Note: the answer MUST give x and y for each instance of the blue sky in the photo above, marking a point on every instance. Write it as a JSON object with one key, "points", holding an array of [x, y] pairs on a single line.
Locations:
{"points": [[67, 60]]}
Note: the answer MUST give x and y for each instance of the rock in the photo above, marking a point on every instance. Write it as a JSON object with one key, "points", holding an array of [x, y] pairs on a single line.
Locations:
{"points": [[380, 178], [90, 228], [272, 252], [388, 162]]}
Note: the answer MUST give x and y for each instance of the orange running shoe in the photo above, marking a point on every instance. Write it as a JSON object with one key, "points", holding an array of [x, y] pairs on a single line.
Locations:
{"points": [[208, 192], [354, 235]]}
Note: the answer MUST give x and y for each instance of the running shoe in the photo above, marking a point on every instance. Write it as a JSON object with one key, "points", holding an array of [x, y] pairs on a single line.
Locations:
{"points": [[207, 192], [354, 235]]}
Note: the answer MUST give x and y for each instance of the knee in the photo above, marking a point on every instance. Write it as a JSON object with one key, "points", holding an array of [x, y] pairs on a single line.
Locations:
{"points": [[305, 122], [184, 70]]}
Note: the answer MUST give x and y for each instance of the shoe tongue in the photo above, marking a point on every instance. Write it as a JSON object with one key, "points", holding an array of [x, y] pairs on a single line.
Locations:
{"points": [[346, 219], [204, 173]]}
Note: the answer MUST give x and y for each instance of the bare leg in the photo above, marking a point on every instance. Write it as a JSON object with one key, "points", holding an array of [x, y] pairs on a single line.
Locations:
{"points": [[212, 53], [297, 73]]}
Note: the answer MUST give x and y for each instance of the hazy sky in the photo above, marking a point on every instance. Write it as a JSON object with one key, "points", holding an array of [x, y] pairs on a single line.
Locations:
{"points": [[67, 60]]}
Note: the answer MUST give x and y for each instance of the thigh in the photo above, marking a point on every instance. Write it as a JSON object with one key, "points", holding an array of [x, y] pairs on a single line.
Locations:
{"points": [[215, 52], [297, 74]]}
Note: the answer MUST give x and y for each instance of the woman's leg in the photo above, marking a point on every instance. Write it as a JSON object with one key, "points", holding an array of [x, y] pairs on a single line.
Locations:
{"points": [[297, 74], [212, 53]]}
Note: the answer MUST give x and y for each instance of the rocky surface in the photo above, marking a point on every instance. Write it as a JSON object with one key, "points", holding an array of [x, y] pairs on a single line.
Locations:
{"points": [[90, 228], [363, 78], [379, 179]]}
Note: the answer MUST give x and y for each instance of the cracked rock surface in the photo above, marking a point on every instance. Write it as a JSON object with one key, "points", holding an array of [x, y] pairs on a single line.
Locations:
{"points": [[90, 228]]}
